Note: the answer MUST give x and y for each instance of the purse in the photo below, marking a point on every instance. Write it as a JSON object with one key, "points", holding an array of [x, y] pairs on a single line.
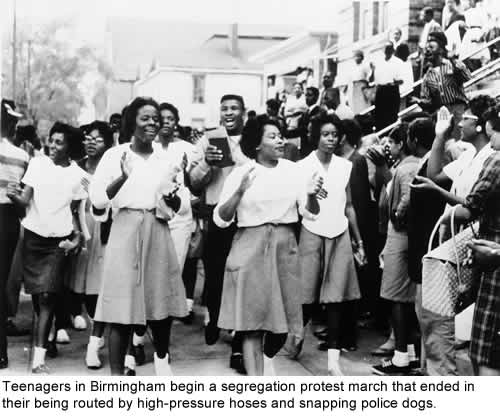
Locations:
{"points": [[447, 276]]}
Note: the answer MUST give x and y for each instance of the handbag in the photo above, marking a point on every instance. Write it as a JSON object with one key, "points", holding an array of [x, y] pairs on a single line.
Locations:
{"points": [[447, 276]]}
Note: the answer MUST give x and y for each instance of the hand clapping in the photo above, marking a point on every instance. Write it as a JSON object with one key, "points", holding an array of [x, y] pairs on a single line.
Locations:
{"points": [[444, 119], [125, 165], [315, 187], [247, 180]]}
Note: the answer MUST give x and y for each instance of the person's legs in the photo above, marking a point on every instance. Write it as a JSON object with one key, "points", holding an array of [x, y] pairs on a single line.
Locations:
{"points": [[44, 304], [161, 341], [189, 274], [92, 357], [252, 353], [333, 320], [118, 340]]}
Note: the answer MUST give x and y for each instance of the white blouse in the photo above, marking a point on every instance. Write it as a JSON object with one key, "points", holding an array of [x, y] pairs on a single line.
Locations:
{"points": [[54, 188], [331, 220], [273, 197], [147, 183]]}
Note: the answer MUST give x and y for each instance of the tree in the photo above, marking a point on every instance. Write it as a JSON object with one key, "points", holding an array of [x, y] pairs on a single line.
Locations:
{"points": [[49, 86]]}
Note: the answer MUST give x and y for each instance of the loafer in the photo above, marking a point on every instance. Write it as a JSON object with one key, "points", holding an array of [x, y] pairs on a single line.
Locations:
{"points": [[41, 370], [387, 368], [128, 371], [321, 334], [211, 334], [236, 363], [4, 363]]}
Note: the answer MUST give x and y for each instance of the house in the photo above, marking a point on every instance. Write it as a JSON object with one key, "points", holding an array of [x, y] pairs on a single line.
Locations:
{"points": [[192, 72]]}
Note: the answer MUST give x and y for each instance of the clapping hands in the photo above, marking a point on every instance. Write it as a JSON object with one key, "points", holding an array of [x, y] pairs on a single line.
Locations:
{"points": [[444, 121], [315, 187]]}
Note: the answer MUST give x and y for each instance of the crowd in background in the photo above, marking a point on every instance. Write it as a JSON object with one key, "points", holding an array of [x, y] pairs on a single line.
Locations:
{"points": [[298, 215]]}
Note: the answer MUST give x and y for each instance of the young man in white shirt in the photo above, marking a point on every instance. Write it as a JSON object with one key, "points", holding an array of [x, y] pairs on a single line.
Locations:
{"points": [[206, 176]]}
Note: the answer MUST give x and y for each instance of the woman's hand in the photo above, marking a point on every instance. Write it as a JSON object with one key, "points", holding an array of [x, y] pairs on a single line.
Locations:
{"points": [[13, 190], [485, 252], [125, 165], [71, 245], [247, 180], [376, 154], [424, 184], [213, 155], [444, 121], [315, 187]]}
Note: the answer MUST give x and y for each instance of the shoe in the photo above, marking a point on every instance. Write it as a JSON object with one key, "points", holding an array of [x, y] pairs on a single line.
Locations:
{"points": [[4, 363], [62, 337], [79, 323], [128, 371], [296, 347], [162, 366], [321, 334], [188, 319], [92, 357], [380, 351], [323, 346], [41, 370], [414, 364], [52, 351], [211, 334], [387, 368], [236, 363], [139, 355], [14, 331]]}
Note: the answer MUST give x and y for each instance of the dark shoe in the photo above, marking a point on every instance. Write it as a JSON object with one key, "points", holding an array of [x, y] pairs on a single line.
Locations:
{"points": [[387, 368], [382, 352], [139, 355], [52, 351], [211, 334], [188, 319], [4, 363], [321, 334], [41, 370], [236, 363], [296, 347], [129, 372], [349, 347], [14, 331]]}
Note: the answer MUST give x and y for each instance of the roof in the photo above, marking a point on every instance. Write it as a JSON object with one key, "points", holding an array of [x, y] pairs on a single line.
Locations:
{"points": [[137, 43]]}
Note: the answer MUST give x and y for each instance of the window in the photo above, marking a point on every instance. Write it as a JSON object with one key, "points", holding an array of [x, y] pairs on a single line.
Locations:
{"points": [[385, 17], [199, 88], [376, 17], [356, 20]]}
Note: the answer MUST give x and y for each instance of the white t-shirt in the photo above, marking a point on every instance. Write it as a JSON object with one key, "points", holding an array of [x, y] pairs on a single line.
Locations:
{"points": [[274, 196], [465, 170], [387, 72], [331, 220], [54, 188]]}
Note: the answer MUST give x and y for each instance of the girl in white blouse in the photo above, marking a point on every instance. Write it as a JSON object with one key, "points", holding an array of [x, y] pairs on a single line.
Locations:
{"points": [[51, 185], [141, 283], [261, 294]]}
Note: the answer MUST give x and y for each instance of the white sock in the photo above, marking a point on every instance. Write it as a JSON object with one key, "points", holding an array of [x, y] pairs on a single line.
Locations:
{"points": [[137, 340], [269, 366], [129, 362], [94, 341], [412, 356], [400, 358], [189, 304], [334, 362], [38, 356]]}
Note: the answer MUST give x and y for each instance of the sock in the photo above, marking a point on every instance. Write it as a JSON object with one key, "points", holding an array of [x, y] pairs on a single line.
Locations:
{"points": [[189, 304], [38, 356], [400, 358], [129, 362], [94, 341], [137, 340], [412, 356], [268, 366], [334, 362]]}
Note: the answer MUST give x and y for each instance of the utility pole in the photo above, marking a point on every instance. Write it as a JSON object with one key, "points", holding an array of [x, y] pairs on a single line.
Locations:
{"points": [[14, 53]]}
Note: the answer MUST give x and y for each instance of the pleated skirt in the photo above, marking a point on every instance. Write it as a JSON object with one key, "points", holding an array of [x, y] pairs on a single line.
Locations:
{"points": [[262, 288], [327, 268], [141, 279]]}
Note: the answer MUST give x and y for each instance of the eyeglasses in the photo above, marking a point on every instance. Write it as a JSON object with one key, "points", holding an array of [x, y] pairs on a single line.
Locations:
{"points": [[470, 117]]}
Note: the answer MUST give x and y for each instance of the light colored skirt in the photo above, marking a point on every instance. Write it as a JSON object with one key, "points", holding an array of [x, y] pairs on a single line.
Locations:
{"points": [[261, 283], [88, 264], [181, 237], [327, 268], [141, 278], [396, 284]]}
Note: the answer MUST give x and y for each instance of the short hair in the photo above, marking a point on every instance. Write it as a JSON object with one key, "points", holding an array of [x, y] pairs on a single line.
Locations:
{"points": [[400, 135], [479, 105], [359, 52], [236, 97], [252, 133], [422, 129], [172, 109], [273, 104], [315, 92], [73, 136], [402, 51], [352, 131], [492, 115], [439, 37], [428, 11], [115, 116], [322, 119], [104, 130], [336, 95], [131, 115]]}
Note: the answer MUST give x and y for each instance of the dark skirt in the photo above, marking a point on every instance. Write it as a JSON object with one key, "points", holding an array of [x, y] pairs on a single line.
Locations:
{"points": [[485, 337], [44, 262], [262, 287], [387, 100]]}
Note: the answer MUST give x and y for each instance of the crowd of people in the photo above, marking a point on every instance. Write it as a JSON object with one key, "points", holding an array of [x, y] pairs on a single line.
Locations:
{"points": [[297, 216]]}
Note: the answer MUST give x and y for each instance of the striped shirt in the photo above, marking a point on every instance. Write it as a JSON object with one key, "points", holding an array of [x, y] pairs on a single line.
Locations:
{"points": [[444, 85], [13, 164]]}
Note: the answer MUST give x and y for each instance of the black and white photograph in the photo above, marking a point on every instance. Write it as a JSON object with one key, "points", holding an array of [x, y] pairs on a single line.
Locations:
{"points": [[250, 188]]}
